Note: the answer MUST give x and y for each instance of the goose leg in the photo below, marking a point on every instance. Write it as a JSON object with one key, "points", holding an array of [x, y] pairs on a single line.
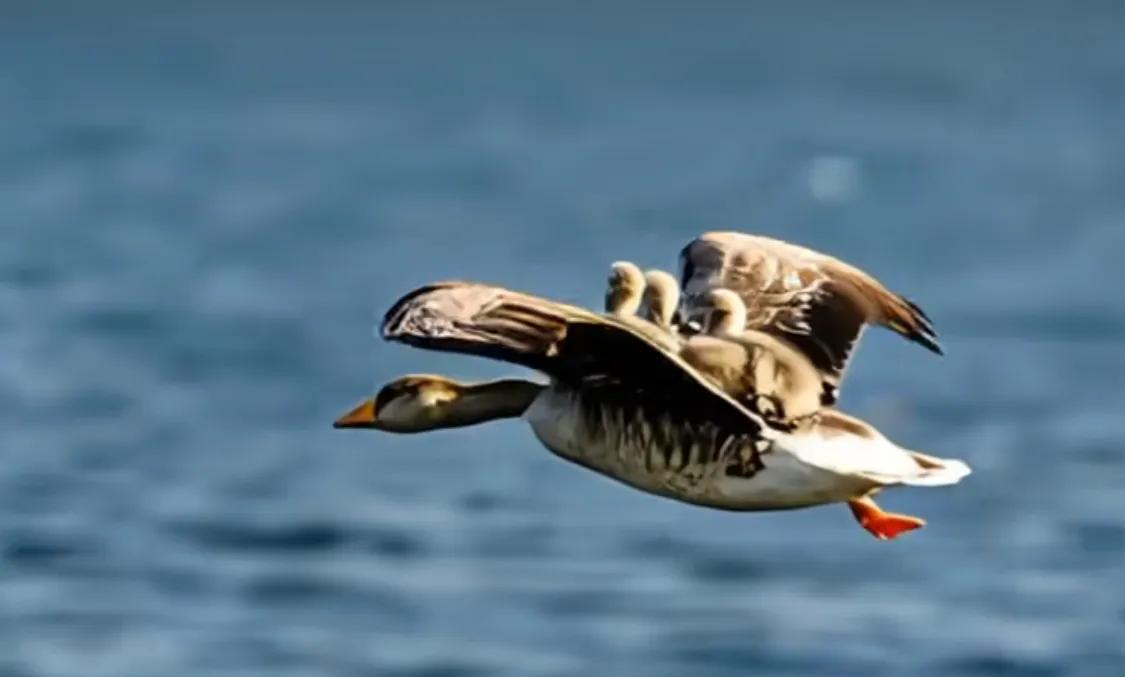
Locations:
{"points": [[882, 525]]}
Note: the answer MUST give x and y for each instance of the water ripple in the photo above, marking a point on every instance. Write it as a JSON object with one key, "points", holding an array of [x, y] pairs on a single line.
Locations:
{"points": [[206, 208]]}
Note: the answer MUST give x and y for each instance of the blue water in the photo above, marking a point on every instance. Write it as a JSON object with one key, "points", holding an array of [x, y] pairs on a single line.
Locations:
{"points": [[206, 206]]}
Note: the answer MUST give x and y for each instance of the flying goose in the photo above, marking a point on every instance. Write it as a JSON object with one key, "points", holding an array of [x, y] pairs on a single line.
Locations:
{"points": [[629, 407], [818, 303]]}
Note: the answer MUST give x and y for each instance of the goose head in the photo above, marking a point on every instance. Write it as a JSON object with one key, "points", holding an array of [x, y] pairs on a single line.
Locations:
{"points": [[726, 312], [408, 404], [661, 298], [421, 402], [625, 286]]}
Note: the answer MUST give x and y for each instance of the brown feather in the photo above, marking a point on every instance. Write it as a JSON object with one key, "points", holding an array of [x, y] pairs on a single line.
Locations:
{"points": [[815, 302], [569, 343]]}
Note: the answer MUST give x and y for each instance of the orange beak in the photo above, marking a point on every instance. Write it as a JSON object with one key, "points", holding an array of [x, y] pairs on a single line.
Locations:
{"points": [[362, 416]]}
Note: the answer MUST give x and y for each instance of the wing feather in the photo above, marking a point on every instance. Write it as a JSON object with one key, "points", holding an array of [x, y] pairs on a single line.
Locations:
{"points": [[569, 343], [818, 303]]}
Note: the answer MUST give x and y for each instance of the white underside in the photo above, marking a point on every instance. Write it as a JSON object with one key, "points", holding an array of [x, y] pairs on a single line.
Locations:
{"points": [[801, 469]]}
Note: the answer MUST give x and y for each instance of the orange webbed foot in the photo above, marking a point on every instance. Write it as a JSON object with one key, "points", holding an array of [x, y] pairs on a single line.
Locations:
{"points": [[882, 525]]}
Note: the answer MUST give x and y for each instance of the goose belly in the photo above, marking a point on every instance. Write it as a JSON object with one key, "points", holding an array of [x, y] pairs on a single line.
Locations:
{"points": [[693, 462], [787, 482]]}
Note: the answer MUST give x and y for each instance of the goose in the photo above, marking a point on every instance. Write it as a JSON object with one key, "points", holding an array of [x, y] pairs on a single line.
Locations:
{"points": [[660, 300], [762, 371], [630, 408], [813, 301], [628, 299], [782, 383], [624, 289]]}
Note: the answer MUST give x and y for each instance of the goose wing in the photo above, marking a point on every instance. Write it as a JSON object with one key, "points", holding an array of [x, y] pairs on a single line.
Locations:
{"points": [[571, 344], [818, 303]]}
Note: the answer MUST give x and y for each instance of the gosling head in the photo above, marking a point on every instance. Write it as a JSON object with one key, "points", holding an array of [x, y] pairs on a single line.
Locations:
{"points": [[726, 313], [406, 405], [661, 298], [625, 285]]}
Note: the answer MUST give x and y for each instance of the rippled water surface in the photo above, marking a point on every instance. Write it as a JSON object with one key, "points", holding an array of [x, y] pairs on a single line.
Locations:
{"points": [[206, 206]]}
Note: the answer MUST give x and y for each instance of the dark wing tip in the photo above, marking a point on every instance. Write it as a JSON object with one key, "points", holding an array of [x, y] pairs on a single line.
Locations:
{"points": [[918, 311], [913, 323], [929, 342], [921, 333]]}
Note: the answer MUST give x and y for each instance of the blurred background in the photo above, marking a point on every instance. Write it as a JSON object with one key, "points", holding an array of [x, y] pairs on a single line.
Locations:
{"points": [[207, 206]]}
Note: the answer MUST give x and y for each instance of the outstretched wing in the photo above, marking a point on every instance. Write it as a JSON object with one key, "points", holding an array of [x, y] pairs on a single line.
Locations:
{"points": [[571, 344], [818, 303]]}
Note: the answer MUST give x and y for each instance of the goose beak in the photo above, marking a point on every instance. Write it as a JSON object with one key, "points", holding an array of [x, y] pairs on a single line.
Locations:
{"points": [[363, 416]]}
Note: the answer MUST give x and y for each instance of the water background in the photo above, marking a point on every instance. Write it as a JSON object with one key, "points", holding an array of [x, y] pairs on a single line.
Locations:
{"points": [[205, 206]]}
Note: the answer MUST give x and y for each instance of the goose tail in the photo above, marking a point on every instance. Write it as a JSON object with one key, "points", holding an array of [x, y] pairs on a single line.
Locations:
{"points": [[936, 472], [851, 446], [922, 471]]}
